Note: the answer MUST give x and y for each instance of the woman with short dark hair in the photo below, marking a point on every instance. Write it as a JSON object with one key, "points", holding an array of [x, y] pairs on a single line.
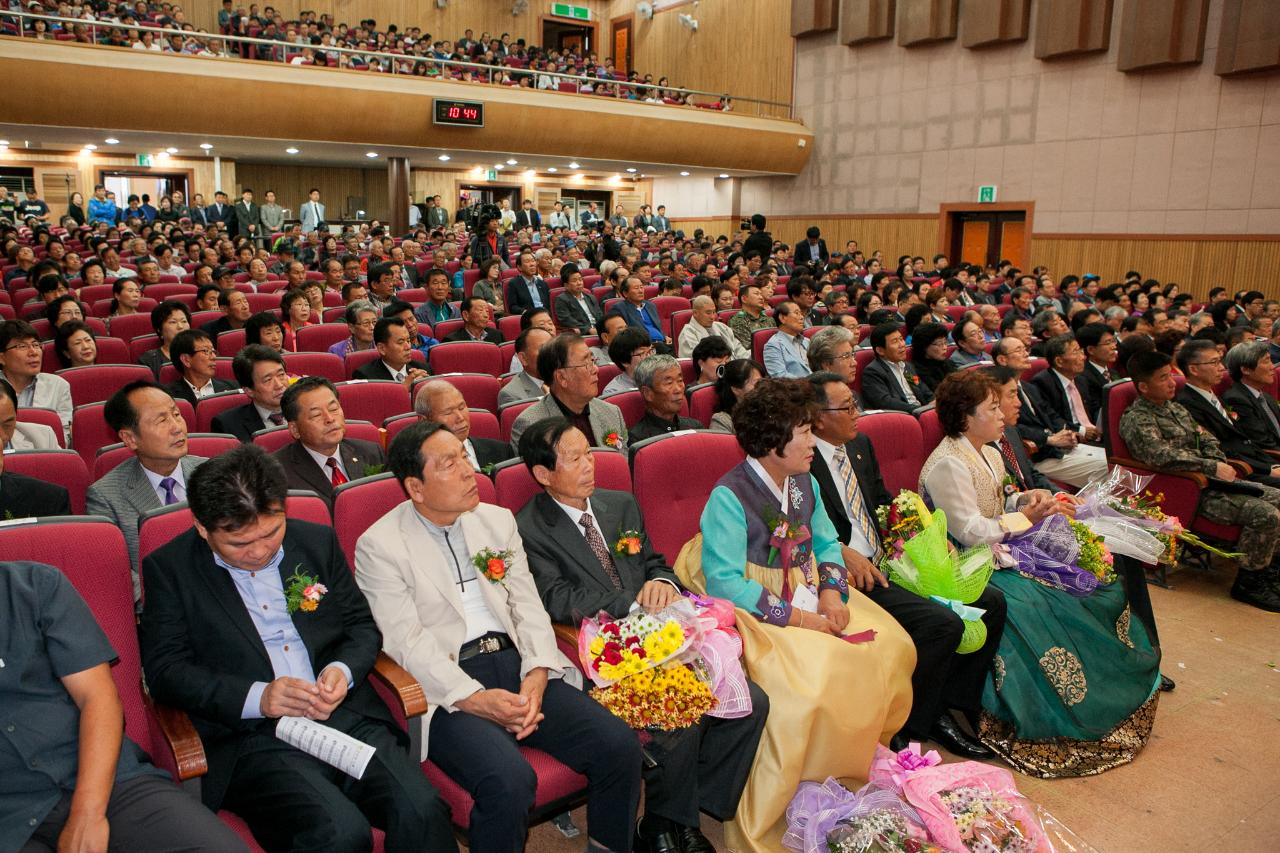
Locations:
{"points": [[75, 344], [737, 379]]}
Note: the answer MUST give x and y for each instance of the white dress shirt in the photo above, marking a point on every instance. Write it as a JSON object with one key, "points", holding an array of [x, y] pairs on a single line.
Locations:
{"points": [[899, 369], [323, 462], [179, 490]]}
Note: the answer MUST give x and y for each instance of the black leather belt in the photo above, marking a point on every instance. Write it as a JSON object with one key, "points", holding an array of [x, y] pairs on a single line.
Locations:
{"points": [[486, 645]]}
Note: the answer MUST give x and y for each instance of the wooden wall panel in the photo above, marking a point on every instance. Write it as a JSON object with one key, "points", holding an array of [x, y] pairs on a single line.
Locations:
{"points": [[1161, 33], [1070, 27], [292, 183], [926, 21], [448, 22], [51, 167], [988, 22], [1250, 36], [862, 21], [810, 17]]}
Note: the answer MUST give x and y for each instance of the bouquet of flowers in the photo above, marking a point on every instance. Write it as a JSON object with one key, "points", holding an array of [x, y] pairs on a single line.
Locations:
{"points": [[829, 818], [986, 820], [920, 559], [665, 670], [1094, 557]]}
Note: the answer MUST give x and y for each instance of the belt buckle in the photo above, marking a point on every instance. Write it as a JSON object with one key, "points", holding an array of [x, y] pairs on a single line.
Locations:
{"points": [[488, 645]]}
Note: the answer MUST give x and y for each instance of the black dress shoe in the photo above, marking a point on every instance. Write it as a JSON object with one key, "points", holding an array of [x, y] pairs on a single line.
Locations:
{"points": [[656, 837], [693, 841], [899, 742], [946, 732], [1166, 684]]}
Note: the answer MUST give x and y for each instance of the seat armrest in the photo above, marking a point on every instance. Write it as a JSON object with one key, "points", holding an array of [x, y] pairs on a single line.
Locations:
{"points": [[1194, 476], [1274, 454], [1242, 468], [408, 692], [185, 748], [566, 633]]}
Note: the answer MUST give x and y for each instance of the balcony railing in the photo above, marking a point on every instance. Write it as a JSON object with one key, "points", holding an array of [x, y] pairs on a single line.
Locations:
{"points": [[509, 73]]}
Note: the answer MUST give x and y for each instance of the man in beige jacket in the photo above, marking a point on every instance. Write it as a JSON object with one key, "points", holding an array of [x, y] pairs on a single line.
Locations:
{"points": [[480, 643]]}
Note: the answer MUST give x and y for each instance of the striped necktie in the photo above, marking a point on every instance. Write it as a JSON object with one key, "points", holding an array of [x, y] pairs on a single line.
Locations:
{"points": [[857, 506]]}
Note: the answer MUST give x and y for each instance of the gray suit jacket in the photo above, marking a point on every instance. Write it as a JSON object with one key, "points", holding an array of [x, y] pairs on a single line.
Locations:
{"points": [[53, 392], [307, 213], [123, 495], [521, 387], [605, 418]]}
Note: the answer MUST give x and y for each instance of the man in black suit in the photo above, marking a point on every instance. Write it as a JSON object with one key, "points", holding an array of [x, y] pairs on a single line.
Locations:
{"points": [[248, 218], [220, 211], [528, 290], [322, 457], [568, 532], [527, 217], [848, 475], [391, 338], [261, 373], [1057, 385], [193, 354], [441, 402], [1257, 413], [813, 249], [1202, 366], [488, 242], [230, 635], [577, 309], [476, 314], [27, 497], [1099, 345], [235, 311], [889, 381]]}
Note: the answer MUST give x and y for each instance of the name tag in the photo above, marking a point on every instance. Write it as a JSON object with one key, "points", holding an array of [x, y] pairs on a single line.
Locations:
{"points": [[805, 599]]}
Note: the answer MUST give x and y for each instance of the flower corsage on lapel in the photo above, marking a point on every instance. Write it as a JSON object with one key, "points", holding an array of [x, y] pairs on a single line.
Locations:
{"points": [[783, 536], [615, 439], [302, 592], [630, 543], [1009, 485], [494, 565]]}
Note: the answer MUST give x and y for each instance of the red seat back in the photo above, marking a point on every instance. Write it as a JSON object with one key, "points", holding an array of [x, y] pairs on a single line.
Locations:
{"points": [[605, 374], [48, 417], [467, 357], [930, 430], [507, 416], [373, 401], [480, 390], [672, 506], [861, 358], [680, 319], [899, 445], [356, 360], [324, 364], [208, 445], [90, 432], [484, 424], [209, 408], [759, 338], [321, 336], [274, 438], [160, 526], [230, 342], [1035, 366], [515, 485], [702, 402], [63, 467], [97, 382]]}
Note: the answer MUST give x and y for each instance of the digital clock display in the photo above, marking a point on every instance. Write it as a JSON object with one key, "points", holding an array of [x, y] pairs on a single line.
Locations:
{"points": [[465, 113]]}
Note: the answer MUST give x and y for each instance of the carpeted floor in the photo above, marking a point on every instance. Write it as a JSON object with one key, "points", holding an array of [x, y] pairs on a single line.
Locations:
{"points": [[1209, 778]]}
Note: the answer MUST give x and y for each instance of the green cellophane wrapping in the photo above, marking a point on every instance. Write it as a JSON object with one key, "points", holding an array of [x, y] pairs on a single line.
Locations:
{"points": [[929, 567]]}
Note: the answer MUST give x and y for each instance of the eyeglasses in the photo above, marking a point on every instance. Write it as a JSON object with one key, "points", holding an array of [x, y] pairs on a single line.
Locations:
{"points": [[29, 346], [845, 356], [1210, 361], [203, 351], [850, 409], [576, 366]]}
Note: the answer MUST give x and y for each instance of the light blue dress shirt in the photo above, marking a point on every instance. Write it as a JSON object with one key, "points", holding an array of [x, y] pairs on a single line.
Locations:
{"points": [[787, 356], [263, 596]]}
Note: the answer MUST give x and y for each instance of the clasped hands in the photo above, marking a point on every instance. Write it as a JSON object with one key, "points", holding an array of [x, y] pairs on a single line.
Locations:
{"points": [[518, 713], [296, 697], [1039, 504]]}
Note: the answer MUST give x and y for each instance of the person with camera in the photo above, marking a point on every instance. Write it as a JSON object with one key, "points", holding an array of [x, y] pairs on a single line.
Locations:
{"points": [[760, 241], [488, 242]]}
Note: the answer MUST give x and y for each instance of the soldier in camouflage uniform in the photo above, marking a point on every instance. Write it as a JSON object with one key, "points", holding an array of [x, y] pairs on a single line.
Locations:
{"points": [[1161, 433], [743, 324]]}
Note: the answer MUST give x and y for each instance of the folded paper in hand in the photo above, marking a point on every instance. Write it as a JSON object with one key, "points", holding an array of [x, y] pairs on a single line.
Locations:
{"points": [[335, 748]]}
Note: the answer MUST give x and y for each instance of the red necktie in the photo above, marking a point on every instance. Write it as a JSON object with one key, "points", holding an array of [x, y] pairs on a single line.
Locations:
{"points": [[1006, 450], [335, 473]]}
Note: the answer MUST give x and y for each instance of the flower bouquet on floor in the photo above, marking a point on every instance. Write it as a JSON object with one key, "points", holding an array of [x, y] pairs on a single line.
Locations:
{"points": [[664, 670], [919, 558], [829, 818]]}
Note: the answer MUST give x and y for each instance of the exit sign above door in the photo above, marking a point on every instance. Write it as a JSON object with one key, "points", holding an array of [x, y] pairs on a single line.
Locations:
{"points": [[564, 10], [987, 194]]}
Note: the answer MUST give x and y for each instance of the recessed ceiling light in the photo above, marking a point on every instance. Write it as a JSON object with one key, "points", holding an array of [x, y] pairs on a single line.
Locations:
{"points": [[163, 155], [206, 146], [91, 147], [552, 169], [723, 175], [684, 174], [172, 150], [291, 150], [371, 154], [443, 158], [499, 166], [631, 170], [573, 165], [512, 161], [111, 140]]}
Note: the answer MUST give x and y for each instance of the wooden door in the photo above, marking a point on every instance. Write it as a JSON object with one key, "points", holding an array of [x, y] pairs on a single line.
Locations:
{"points": [[622, 43]]}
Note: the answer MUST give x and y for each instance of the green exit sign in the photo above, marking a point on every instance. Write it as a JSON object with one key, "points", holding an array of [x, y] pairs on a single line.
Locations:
{"points": [[564, 10], [144, 159], [493, 175], [987, 194]]}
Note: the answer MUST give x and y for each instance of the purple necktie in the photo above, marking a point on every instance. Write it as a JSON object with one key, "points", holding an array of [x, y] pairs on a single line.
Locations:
{"points": [[169, 484]]}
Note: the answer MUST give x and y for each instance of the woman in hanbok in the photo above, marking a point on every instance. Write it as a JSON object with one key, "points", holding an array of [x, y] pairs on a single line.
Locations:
{"points": [[837, 668], [1074, 685]]}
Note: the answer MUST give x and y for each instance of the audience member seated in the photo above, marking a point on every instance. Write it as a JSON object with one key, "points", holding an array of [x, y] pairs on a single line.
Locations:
{"points": [[295, 307], [391, 339], [235, 313], [193, 354], [794, 608], [75, 345], [1099, 345], [570, 374], [483, 650], [440, 402], [528, 289], [245, 555], [265, 328], [704, 324], [1250, 399], [437, 308], [361, 316], [628, 348], [563, 530], [1201, 364], [661, 383], [526, 383], [64, 309], [709, 358], [476, 314], [786, 354], [126, 294], [1062, 405], [147, 420], [91, 788], [21, 496], [970, 344], [489, 286], [321, 457], [21, 357], [577, 309], [1161, 433], [640, 313], [261, 373], [929, 354], [381, 285], [610, 326], [848, 477], [831, 351], [889, 381], [1013, 449], [739, 378], [1062, 635], [752, 317], [21, 435], [167, 319]]}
